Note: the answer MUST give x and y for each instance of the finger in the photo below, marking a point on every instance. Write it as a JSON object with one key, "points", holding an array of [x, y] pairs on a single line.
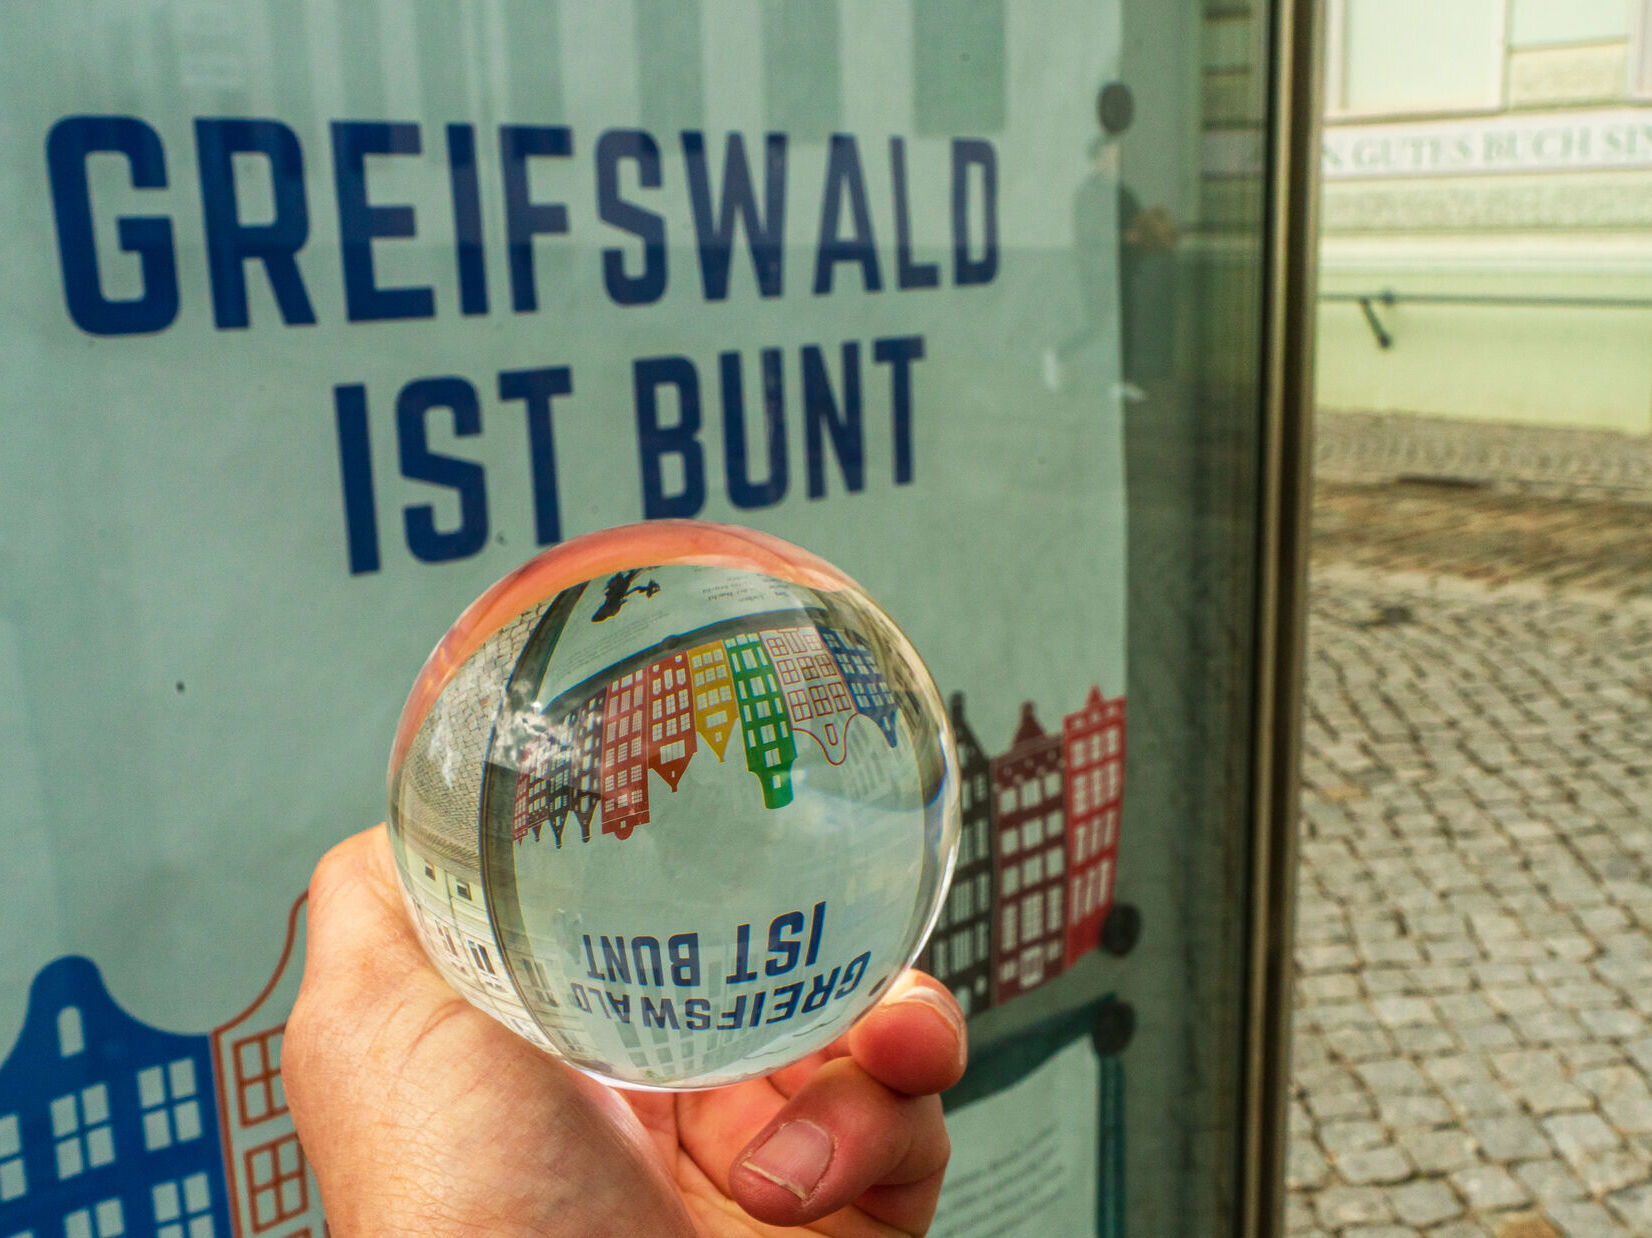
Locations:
{"points": [[913, 1041], [898, 1041], [842, 1135]]}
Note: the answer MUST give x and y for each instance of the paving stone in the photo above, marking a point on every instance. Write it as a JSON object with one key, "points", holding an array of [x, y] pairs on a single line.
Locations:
{"points": [[1587, 1219], [1331, 1105], [1620, 1023], [1437, 1151], [1340, 1206], [1395, 1075], [1575, 1134], [1380, 1164], [1634, 1207], [1341, 1137], [1488, 1187], [1425, 1203], [1508, 1137], [1305, 1165], [1614, 1169], [1401, 1109], [1551, 1181]]}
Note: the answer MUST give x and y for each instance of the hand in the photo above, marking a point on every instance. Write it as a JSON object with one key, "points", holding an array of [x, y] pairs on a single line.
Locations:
{"points": [[422, 1115]]}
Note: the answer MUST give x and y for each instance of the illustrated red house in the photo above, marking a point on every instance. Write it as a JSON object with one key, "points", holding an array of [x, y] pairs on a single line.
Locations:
{"points": [[1029, 861], [671, 740], [1092, 742], [587, 763], [624, 761], [271, 1189]]}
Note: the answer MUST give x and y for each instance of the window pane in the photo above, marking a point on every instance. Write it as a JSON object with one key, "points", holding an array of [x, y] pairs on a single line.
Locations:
{"points": [[1422, 55]]}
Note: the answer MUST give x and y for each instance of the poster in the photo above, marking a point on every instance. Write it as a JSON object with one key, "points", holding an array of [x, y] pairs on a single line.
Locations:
{"points": [[319, 317]]}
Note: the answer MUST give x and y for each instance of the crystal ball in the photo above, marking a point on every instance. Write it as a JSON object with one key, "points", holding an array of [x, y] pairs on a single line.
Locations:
{"points": [[676, 802]]}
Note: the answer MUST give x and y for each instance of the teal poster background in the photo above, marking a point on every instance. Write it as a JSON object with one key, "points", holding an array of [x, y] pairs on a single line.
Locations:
{"points": [[318, 317]]}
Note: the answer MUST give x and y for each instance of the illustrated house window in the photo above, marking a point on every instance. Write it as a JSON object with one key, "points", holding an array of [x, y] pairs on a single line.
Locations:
{"points": [[183, 1207], [71, 1036], [13, 1182], [80, 1125], [104, 1221], [275, 1175], [258, 1076], [171, 1110]]}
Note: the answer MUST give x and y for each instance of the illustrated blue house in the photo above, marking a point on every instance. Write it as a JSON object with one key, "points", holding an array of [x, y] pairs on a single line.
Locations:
{"points": [[107, 1126], [867, 688]]}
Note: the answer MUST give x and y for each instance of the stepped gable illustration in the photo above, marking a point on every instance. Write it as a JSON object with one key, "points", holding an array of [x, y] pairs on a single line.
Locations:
{"points": [[107, 1125], [624, 764], [1030, 858], [867, 687], [271, 1188], [671, 738], [770, 746], [111, 1127], [818, 703], [1033, 889], [1092, 749], [959, 953], [714, 712]]}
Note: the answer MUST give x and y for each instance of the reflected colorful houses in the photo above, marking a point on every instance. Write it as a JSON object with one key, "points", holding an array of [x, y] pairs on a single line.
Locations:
{"points": [[671, 740], [959, 954], [624, 763], [587, 763], [714, 715], [867, 687], [1092, 741], [544, 787], [770, 747], [817, 698], [1030, 845]]}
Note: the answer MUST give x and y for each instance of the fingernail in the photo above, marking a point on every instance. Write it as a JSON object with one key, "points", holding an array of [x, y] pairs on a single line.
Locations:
{"points": [[794, 1157], [946, 1009]]}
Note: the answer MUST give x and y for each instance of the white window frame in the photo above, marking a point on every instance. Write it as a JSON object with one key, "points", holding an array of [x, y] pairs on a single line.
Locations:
{"points": [[1640, 50], [1336, 66]]}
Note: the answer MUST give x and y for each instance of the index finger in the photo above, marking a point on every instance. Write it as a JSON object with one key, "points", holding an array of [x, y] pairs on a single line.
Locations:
{"points": [[914, 1040]]}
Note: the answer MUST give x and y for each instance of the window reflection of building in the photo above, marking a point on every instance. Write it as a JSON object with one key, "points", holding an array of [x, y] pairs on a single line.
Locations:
{"points": [[670, 76], [624, 762], [958, 67], [802, 68]]}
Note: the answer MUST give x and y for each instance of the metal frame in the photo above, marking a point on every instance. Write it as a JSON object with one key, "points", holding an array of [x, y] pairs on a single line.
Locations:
{"points": [[1295, 63]]}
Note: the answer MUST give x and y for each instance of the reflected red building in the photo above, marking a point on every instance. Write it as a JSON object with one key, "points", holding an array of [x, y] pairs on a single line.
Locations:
{"points": [[624, 761]]}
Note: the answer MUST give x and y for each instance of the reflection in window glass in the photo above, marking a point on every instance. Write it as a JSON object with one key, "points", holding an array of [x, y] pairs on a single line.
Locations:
{"points": [[669, 73], [802, 74], [958, 66], [1417, 55]]}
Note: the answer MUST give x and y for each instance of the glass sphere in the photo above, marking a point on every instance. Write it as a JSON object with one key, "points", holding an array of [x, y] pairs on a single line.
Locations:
{"points": [[674, 801]]}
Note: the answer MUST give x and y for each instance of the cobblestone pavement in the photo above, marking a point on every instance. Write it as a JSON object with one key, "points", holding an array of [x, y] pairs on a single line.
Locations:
{"points": [[1382, 447], [1474, 1024]]}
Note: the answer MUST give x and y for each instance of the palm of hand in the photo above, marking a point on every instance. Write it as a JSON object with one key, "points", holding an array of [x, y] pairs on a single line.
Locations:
{"points": [[422, 1115]]}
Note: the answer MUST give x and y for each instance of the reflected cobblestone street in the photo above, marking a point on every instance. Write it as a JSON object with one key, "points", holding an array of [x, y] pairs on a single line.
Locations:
{"points": [[1473, 1037]]}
